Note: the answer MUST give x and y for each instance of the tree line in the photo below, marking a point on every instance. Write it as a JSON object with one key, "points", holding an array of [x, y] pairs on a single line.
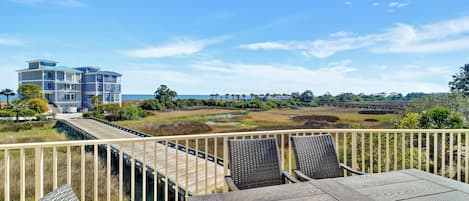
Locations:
{"points": [[31, 102], [165, 100], [447, 111]]}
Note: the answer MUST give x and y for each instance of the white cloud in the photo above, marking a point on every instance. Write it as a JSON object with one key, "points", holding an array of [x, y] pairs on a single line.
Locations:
{"points": [[10, 41], [181, 47], [335, 77], [396, 4], [444, 36], [348, 3], [375, 4], [64, 3], [317, 48], [340, 34], [268, 45]]}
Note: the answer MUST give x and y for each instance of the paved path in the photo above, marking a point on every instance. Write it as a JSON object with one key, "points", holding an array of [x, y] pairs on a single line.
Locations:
{"points": [[103, 131]]}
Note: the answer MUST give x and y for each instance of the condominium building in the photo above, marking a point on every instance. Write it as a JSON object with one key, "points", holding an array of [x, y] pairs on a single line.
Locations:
{"points": [[71, 89]]}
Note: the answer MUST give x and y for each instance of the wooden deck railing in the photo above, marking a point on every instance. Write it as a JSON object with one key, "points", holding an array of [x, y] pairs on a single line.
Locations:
{"points": [[442, 152]]}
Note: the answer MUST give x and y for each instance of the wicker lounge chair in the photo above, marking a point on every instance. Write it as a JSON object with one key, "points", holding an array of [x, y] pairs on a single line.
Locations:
{"points": [[255, 163], [63, 193], [316, 158]]}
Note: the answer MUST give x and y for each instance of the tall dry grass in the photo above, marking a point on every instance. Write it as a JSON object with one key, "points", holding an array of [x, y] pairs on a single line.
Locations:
{"points": [[14, 186]]}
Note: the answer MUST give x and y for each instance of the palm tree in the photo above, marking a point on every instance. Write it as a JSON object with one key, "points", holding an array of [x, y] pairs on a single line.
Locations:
{"points": [[237, 97], [18, 105], [96, 100], [7, 93], [252, 96], [244, 97], [226, 96]]}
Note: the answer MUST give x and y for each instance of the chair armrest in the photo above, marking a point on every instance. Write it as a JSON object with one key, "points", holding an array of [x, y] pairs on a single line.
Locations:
{"points": [[349, 169], [289, 177], [231, 184], [301, 176]]}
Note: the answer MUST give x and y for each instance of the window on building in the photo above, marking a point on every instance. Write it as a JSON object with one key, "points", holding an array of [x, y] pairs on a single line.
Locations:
{"points": [[69, 97], [49, 86], [68, 76]]}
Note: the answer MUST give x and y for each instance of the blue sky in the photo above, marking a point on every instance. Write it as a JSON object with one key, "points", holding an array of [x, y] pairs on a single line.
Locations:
{"points": [[202, 47]]}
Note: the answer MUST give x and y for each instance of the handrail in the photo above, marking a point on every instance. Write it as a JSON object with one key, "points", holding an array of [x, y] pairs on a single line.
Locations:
{"points": [[440, 151], [220, 135], [170, 144]]}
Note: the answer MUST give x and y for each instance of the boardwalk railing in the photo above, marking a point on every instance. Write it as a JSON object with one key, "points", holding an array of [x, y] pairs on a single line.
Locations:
{"points": [[180, 147], [33, 169]]}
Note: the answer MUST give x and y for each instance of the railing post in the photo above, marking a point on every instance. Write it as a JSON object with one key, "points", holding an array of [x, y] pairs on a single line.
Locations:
{"points": [[458, 161], [108, 172], [7, 174], [121, 172], [39, 191], [225, 159], [83, 172], [354, 150], [54, 167], [69, 166], [23, 175], [95, 178], [132, 171], [371, 153], [388, 158]]}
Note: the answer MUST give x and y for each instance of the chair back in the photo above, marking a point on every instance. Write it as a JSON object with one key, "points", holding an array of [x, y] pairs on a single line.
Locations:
{"points": [[254, 163], [316, 156], [63, 193]]}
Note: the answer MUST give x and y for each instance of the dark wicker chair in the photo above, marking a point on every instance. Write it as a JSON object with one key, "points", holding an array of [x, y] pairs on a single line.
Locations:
{"points": [[316, 158], [63, 193], [255, 163]]}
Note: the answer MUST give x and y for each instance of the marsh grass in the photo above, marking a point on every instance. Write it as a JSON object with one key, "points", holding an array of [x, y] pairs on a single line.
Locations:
{"points": [[263, 120]]}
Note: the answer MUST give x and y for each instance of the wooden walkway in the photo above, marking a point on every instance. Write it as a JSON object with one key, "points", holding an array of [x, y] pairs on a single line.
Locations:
{"points": [[205, 183]]}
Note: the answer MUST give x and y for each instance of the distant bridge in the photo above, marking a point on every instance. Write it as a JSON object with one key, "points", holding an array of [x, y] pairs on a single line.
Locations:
{"points": [[371, 106]]}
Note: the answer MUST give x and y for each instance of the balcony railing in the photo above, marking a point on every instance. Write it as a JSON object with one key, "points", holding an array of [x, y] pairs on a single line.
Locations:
{"points": [[96, 168]]}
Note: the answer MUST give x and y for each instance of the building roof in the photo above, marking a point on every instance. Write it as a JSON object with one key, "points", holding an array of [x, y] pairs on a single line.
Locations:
{"points": [[109, 73], [56, 68], [87, 69], [39, 60], [63, 68]]}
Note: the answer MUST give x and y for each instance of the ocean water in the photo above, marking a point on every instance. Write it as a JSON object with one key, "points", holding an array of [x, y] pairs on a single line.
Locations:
{"points": [[126, 97]]}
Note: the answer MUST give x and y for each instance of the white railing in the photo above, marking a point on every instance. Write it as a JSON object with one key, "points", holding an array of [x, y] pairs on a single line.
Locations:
{"points": [[99, 169]]}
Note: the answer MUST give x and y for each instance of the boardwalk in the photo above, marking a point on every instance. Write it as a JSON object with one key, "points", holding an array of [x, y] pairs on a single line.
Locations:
{"points": [[103, 131]]}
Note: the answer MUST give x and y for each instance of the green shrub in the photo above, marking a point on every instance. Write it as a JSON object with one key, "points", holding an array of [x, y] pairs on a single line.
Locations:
{"points": [[96, 114], [435, 118], [27, 113], [7, 113], [152, 104], [15, 127], [409, 121], [38, 104], [127, 113], [109, 108], [440, 118]]}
